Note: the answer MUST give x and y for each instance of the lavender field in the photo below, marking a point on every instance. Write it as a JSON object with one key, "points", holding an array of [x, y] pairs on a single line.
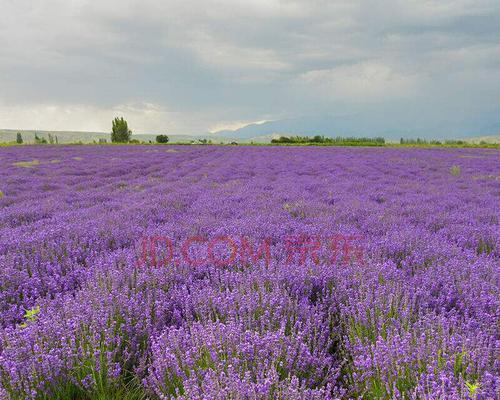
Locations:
{"points": [[390, 293]]}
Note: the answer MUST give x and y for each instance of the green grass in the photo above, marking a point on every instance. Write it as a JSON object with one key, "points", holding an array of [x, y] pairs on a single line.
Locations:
{"points": [[27, 164], [455, 170], [9, 144], [70, 391]]}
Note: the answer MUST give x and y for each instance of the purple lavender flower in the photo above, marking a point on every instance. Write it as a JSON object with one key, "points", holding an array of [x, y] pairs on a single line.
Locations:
{"points": [[83, 316]]}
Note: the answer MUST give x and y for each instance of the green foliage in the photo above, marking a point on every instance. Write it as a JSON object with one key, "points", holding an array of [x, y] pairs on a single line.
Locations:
{"points": [[484, 246], [19, 138], [337, 141], [65, 390], [455, 170], [40, 140], [26, 164], [162, 139], [53, 139], [30, 316], [120, 132], [417, 141], [472, 388]]}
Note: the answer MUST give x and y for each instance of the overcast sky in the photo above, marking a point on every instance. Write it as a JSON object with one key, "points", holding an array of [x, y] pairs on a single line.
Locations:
{"points": [[192, 66]]}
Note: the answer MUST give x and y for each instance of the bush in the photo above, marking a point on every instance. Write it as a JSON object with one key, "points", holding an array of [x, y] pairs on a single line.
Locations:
{"points": [[162, 139], [455, 170], [40, 140]]}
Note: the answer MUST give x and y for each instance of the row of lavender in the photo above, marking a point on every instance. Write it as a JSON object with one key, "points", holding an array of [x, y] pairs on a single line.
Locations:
{"points": [[416, 317]]}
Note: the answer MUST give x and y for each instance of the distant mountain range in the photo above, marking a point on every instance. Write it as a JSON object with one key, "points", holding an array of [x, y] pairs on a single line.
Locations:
{"points": [[358, 127], [330, 126]]}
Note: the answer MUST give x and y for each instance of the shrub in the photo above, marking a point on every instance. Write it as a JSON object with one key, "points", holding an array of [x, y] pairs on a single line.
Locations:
{"points": [[455, 170], [162, 139], [40, 140]]}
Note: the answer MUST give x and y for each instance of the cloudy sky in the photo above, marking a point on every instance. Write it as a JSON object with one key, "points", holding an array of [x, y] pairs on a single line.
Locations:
{"points": [[192, 66]]}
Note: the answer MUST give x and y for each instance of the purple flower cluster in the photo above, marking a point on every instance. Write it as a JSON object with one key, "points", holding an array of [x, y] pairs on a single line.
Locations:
{"points": [[83, 315]]}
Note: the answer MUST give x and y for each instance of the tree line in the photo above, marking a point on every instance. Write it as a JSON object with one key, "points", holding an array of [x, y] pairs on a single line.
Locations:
{"points": [[53, 139], [339, 140], [120, 133]]}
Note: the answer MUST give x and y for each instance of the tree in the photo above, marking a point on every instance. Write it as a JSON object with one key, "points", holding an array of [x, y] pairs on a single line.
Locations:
{"points": [[162, 139], [40, 140], [19, 138], [120, 132]]}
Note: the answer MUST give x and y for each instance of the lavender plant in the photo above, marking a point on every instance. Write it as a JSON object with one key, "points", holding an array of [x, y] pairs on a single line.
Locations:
{"points": [[85, 316]]}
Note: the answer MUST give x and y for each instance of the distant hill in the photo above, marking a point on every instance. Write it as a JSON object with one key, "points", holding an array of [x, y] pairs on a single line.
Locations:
{"points": [[359, 126], [258, 133], [9, 135]]}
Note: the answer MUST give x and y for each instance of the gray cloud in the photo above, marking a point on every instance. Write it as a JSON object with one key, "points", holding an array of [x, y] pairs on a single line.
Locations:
{"points": [[192, 65]]}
